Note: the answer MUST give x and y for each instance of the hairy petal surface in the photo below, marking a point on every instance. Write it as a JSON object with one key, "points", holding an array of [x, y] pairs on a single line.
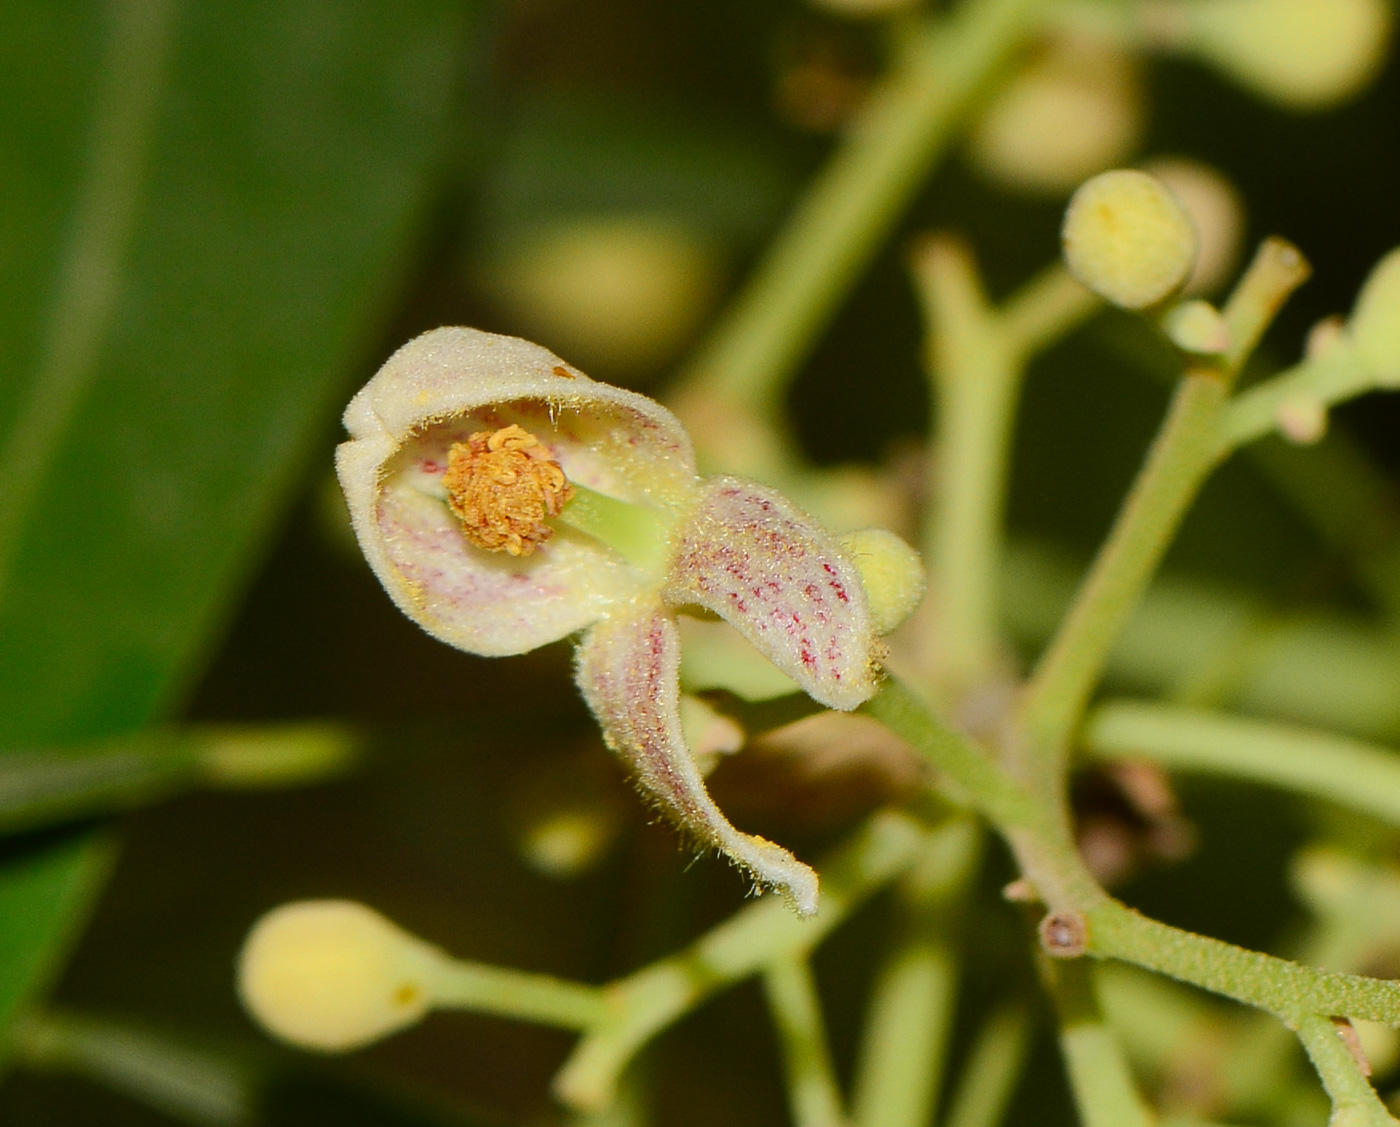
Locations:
{"points": [[439, 389], [628, 669], [748, 554]]}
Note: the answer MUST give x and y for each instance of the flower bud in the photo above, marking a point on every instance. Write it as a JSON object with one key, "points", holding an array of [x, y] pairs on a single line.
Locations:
{"points": [[1375, 321], [1197, 327], [334, 975], [1127, 238], [1307, 54], [1217, 211], [890, 572], [618, 292], [1074, 111]]}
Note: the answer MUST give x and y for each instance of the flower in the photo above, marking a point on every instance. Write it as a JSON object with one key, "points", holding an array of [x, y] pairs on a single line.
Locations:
{"points": [[465, 442]]}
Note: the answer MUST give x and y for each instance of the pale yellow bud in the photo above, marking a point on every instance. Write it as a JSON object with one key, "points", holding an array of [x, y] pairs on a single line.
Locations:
{"points": [[1127, 238], [1074, 111], [1198, 327], [1375, 321], [1306, 54], [1217, 211], [890, 572], [617, 292], [334, 975], [1302, 419], [566, 842]]}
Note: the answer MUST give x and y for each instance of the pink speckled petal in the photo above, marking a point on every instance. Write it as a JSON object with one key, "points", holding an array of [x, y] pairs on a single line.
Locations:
{"points": [[437, 390], [628, 669], [750, 556]]}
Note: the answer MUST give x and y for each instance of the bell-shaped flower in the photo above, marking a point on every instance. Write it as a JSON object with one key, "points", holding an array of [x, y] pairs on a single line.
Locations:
{"points": [[506, 500]]}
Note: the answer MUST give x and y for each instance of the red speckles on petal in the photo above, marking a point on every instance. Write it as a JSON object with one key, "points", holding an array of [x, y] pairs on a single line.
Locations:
{"points": [[748, 555]]}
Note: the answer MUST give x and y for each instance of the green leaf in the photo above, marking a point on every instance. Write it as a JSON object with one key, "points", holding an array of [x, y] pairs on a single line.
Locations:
{"points": [[39, 788], [205, 211], [214, 204], [46, 889]]}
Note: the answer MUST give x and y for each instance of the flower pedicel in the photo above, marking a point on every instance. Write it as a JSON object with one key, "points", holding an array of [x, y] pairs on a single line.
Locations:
{"points": [[505, 500]]}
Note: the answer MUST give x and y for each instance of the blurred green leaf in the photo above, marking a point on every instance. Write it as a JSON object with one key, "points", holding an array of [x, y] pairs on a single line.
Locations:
{"points": [[212, 204], [38, 788], [46, 889]]}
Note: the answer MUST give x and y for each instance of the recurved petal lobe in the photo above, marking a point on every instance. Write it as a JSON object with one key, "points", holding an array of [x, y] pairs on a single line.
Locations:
{"points": [[628, 669]]}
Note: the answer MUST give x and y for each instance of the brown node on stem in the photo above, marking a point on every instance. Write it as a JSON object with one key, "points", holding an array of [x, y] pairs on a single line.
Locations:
{"points": [[1064, 935], [1347, 1032], [502, 485]]}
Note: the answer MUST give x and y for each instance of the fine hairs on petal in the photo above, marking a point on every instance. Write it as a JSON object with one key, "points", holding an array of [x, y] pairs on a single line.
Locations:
{"points": [[628, 669]]}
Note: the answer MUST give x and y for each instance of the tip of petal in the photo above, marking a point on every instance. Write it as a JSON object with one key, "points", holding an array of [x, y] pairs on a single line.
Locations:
{"points": [[774, 866]]}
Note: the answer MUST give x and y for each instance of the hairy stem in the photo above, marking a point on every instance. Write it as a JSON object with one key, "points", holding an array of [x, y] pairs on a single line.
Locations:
{"points": [[1180, 458], [1354, 1101]]}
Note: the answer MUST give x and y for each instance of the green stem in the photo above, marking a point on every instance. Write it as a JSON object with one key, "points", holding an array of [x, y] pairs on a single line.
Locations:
{"points": [[1357, 775], [1337, 375], [976, 364], [1045, 309], [540, 998], [887, 154], [1048, 858], [1277, 269], [992, 1070], [1181, 457], [813, 1093], [909, 1020], [976, 780], [1354, 1101], [1286, 989], [644, 1003], [1104, 1089], [974, 380], [640, 534], [1324, 668]]}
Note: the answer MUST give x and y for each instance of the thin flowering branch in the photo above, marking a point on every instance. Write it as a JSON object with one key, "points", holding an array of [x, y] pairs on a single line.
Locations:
{"points": [[1182, 456], [646, 1002]]}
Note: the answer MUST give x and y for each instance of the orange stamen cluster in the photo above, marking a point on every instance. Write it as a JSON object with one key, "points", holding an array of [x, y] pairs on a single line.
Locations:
{"points": [[502, 485]]}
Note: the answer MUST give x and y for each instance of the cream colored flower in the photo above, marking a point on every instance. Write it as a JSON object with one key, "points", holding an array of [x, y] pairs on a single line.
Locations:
{"points": [[728, 546]]}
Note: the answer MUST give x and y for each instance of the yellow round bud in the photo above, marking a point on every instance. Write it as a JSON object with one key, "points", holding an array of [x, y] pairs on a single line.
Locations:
{"points": [[1306, 54], [617, 292], [1127, 238], [1217, 211], [1197, 327], [1074, 111], [334, 975], [1375, 321], [890, 572]]}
